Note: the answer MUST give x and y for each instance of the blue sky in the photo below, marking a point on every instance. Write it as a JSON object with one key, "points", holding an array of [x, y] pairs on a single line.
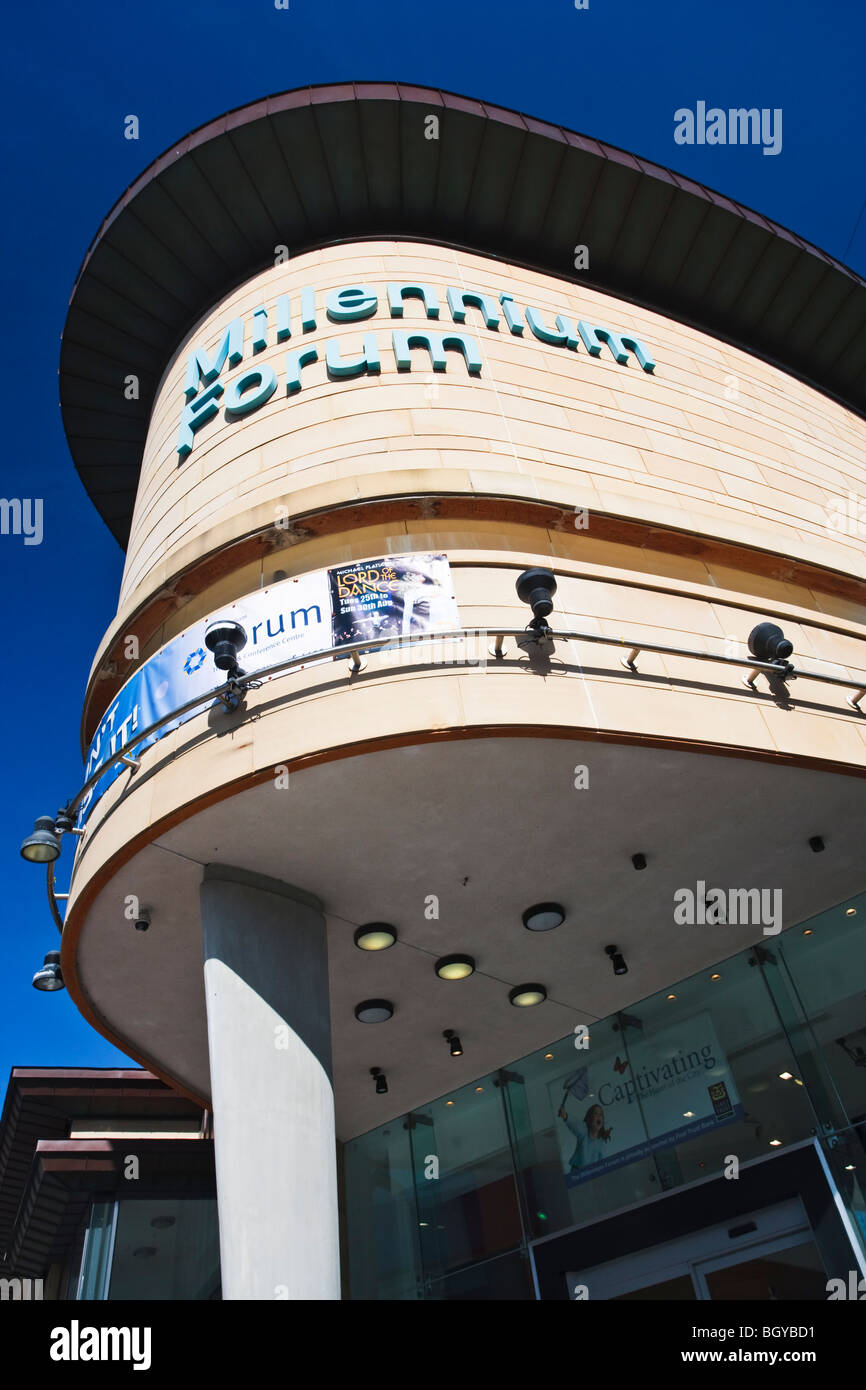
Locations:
{"points": [[617, 70]]}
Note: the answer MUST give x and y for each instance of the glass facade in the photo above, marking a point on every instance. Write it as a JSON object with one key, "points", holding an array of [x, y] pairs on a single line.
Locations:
{"points": [[736, 1063], [151, 1248]]}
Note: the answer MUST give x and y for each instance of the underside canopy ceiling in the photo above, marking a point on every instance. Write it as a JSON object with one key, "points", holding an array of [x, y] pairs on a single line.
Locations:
{"points": [[374, 836]]}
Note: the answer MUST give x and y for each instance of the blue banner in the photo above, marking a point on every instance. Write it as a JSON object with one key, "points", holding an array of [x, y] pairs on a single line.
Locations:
{"points": [[288, 620]]}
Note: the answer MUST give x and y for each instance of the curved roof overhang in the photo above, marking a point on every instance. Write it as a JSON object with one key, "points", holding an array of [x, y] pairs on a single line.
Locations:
{"points": [[337, 163]]}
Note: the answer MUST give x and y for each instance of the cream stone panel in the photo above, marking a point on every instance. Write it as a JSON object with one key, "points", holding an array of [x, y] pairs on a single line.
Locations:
{"points": [[710, 421]]}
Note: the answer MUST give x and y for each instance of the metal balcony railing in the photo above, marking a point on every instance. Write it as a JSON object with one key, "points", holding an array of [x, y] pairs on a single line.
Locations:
{"points": [[543, 641]]}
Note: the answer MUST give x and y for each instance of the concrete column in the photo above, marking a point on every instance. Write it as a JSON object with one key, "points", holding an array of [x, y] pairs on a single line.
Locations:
{"points": [[269, 1038]]}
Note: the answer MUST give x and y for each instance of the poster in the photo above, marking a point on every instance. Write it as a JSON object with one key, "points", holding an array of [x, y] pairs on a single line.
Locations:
{"points": [[299, 617], [399, 596], [623, 1103]]}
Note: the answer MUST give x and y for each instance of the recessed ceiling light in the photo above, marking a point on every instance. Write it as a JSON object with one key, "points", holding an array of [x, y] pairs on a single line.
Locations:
{"points": [[775, 1143], [688, 1114], [423, 1223], [850, 912], [374, 1011], [786, 1076], [376, 936], [543, 917], [478, 1088], [797, 1081], [672, 996], [849, 1167], [524, 996], [715, 977], [449, 1102], [454, 967], [808, 931], [548, 1056]]}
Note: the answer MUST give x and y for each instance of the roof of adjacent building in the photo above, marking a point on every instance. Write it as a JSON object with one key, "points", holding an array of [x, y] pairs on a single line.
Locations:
{"points": [[337, 163], [47, 1178]]}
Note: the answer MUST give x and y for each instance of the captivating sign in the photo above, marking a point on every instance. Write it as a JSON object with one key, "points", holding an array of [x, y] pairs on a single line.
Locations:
{"points": [[398, 594], [206, 395], [650, 1094]]}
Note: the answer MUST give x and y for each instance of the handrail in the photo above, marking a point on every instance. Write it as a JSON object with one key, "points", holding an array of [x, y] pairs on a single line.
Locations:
{"points": [[782, 669], [354, 650]]}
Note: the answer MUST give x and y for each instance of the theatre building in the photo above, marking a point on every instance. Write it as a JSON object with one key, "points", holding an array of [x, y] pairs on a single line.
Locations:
{"points": [[472, 814]]}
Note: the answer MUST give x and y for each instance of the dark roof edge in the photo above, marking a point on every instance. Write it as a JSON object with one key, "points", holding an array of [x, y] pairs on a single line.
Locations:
{"points": [[389, 89]]}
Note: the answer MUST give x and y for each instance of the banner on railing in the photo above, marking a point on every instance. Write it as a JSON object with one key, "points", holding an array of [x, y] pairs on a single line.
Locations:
{"points": [[403, 595]]}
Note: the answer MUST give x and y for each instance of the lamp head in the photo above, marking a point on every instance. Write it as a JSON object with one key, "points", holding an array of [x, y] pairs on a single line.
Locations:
{"points": [[225, 638], [767, 642], [617, 960], [43, 846], [537, 587], [49, 977]]}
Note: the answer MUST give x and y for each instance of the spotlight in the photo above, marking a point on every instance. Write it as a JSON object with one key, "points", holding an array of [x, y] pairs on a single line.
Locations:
{"points": [[49, 977], [617, 960], [639, 861], [376, 936], [225, 638], [525, 996], [454, 1042], [454, 967], [816, 844], [537, 587], [142, 921], [543, 917], [43, 846], [767, 642], [381, 1082], [374, 1011]]}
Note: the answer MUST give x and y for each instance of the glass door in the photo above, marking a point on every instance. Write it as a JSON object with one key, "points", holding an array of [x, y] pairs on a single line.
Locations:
{"points": [[766, 1255], [784, 1270]]}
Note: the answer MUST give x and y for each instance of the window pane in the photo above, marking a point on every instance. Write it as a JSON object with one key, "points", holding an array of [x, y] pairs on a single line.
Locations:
{"points": [[166, 1248]]}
